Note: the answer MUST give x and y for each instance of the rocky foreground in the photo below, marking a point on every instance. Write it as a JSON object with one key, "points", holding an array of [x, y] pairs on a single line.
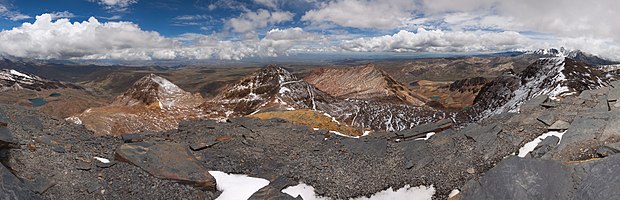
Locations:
{"points": [[48, 158]]}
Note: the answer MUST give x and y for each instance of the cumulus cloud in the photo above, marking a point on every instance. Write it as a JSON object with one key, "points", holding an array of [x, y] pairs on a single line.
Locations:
{"points": [[439, 41], [116, 5], [383, 14], [61, 39], [261, 18]]}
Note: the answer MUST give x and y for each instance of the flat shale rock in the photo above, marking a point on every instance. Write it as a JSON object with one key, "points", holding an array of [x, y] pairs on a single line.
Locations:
{"points": [[516, 178], [599, 179], [273, 191], [534, 103], [547, 119], [11, 188], [421, 130], [6, 137], [559, 125], [167, 160]]}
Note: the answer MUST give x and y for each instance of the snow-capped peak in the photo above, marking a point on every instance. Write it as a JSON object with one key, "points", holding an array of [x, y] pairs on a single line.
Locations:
{"points": [[554, 77], [153, 89]]}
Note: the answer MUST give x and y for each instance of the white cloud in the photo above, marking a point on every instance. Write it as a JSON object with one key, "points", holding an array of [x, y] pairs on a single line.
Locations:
{"points": [[268, 3], [116, 5], [261, 18], [439, 41], [382, 14], [12, 15], [64, 14], [62, 39]]}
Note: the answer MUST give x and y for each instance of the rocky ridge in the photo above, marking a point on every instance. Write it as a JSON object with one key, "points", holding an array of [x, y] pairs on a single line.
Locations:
{"points": [[11, 79], [556, 77], [363, 83]]}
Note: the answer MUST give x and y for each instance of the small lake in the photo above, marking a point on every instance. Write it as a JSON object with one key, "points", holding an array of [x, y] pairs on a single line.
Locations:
{"points": [[36, 102], [55, 94]]}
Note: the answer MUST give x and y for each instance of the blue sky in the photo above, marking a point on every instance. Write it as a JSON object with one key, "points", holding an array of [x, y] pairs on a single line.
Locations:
{"points": [[225, 29]]}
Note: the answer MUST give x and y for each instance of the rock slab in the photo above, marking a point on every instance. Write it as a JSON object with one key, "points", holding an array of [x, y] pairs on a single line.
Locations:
{"points": [[167, 160]]}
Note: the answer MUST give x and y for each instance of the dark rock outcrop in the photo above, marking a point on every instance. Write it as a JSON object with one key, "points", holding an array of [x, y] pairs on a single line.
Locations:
{"points": [[167, 161]]}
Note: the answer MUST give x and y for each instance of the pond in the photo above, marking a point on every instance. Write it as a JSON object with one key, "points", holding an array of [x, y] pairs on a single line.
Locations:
{"points": [[55, 94], [36, 102]]}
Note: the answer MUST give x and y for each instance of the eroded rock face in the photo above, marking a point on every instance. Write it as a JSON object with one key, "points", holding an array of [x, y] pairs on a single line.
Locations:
{"points": [[363, 83], [555, 77], [269, 89], [167, 160]]}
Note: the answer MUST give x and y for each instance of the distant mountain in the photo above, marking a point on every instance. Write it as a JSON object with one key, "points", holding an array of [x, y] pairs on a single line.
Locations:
{"points": [[153, 90], [555, 77], [575, 55], [269, 89], [363, 83], [11, 79], [275, 89], [151, 104]]}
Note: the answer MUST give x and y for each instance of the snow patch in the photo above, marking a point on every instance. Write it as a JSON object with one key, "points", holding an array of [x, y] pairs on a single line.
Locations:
{"points": [[454, 193], [529, 147], [16, 73], [343, 135], [74, 119], [103, 160], [409, 193], [428, 136], [235, 187]]}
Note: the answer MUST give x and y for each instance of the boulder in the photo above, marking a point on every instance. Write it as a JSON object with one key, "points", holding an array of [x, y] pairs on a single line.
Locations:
{"points": [[547, 118], [167, 160], [608, 149], [12, 187], [559, 126]]}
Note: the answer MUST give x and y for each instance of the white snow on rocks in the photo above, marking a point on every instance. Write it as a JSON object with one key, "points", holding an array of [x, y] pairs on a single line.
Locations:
{"points": [[527, 148], [237, 187], [407, 192], [428, 136], [454, 193], [102, 160]]}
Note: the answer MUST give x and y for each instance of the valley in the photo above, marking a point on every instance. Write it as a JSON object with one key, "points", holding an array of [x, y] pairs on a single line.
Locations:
{"points": [[343, 130]]}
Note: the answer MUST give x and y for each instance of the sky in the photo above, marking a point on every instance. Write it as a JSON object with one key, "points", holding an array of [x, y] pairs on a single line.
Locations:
{"points": [[236, 30]]}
